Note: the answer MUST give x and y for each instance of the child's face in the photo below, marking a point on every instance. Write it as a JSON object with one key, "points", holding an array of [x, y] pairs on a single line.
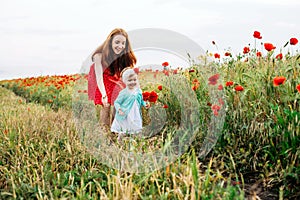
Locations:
{"points": [[131, 82]]}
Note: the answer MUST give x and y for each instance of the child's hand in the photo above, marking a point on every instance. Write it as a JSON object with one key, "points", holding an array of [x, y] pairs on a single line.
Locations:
{"points": [[147, 105], [121, 112]]}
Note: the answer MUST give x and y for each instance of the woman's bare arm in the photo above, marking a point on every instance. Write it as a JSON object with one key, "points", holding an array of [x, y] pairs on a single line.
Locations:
{"points": [[99, 76]]}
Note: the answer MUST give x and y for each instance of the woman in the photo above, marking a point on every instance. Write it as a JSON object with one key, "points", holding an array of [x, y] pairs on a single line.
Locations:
{"points": [[104, 81]]}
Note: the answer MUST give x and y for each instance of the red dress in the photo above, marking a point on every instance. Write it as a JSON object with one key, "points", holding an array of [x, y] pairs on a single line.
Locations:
{"points": [[113, 85]]}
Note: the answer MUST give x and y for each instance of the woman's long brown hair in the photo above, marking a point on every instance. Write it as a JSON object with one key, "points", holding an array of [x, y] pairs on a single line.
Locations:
{"points": [[116, 63]]}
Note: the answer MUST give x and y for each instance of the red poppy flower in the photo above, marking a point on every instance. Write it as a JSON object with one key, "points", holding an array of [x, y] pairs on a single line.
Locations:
{"points": [[239, 88], [165, 64], [293, 41], [195, 87], [269, 46], [227, 54], [196, 84], [217, 55], [165, 106], [298, 88], [146, 96], [153, 97], [166, 72], [279, 80], [136, 70], [216, 113], [191, 70], [159, 87], [229, 83], [258, 54], [220, 87], [257, 35], [246, 50], [221, 102], [279, 56], [213, 79], [195, 81], [215, 107]]}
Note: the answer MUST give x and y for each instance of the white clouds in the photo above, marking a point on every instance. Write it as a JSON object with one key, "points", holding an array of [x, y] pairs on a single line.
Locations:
{"points": [[278, 2], [284, 24], [257, 2]]}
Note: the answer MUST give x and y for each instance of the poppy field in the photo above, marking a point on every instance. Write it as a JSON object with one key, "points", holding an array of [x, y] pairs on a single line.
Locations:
{"points": [[248, 104]]}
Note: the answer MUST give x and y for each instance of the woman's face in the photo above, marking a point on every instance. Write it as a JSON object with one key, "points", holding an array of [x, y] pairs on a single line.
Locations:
{"points": [[131, 81], [118, 43]]}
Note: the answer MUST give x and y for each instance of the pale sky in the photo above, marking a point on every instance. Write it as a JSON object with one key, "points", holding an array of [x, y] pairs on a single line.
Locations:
{"points": [[46, 37]]}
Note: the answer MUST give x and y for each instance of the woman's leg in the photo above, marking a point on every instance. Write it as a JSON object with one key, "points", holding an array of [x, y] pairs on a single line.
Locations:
{"points": [[113, 113], [105, 116]]}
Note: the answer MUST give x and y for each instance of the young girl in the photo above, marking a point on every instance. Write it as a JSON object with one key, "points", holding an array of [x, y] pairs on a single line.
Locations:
{"points": [[128, 119]]}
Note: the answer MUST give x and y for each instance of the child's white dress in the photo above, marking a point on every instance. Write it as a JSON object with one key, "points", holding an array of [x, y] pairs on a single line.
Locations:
{"points": [[132, 123]]}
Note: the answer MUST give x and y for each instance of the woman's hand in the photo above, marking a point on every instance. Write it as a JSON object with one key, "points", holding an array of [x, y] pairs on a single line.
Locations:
{"points": [[105, 101]]}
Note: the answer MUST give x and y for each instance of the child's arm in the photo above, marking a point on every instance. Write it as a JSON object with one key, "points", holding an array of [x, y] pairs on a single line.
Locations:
{"points": [[147, 105], [118, 102]]}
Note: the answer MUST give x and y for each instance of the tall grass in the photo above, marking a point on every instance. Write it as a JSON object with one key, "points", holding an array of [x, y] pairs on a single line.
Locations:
{"points": [[262, 122], [43, 158], [255, 138]]}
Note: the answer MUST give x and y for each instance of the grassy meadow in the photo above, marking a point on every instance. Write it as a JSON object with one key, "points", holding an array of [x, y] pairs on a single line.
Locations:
{"points": [[244, 112]]}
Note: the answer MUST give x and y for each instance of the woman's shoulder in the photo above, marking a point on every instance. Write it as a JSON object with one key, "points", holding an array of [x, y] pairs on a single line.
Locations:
{"points": [[97, 57]]}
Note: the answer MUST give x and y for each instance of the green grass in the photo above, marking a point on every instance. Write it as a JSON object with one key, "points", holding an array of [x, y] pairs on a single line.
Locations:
{"points": [[251, 147]]}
